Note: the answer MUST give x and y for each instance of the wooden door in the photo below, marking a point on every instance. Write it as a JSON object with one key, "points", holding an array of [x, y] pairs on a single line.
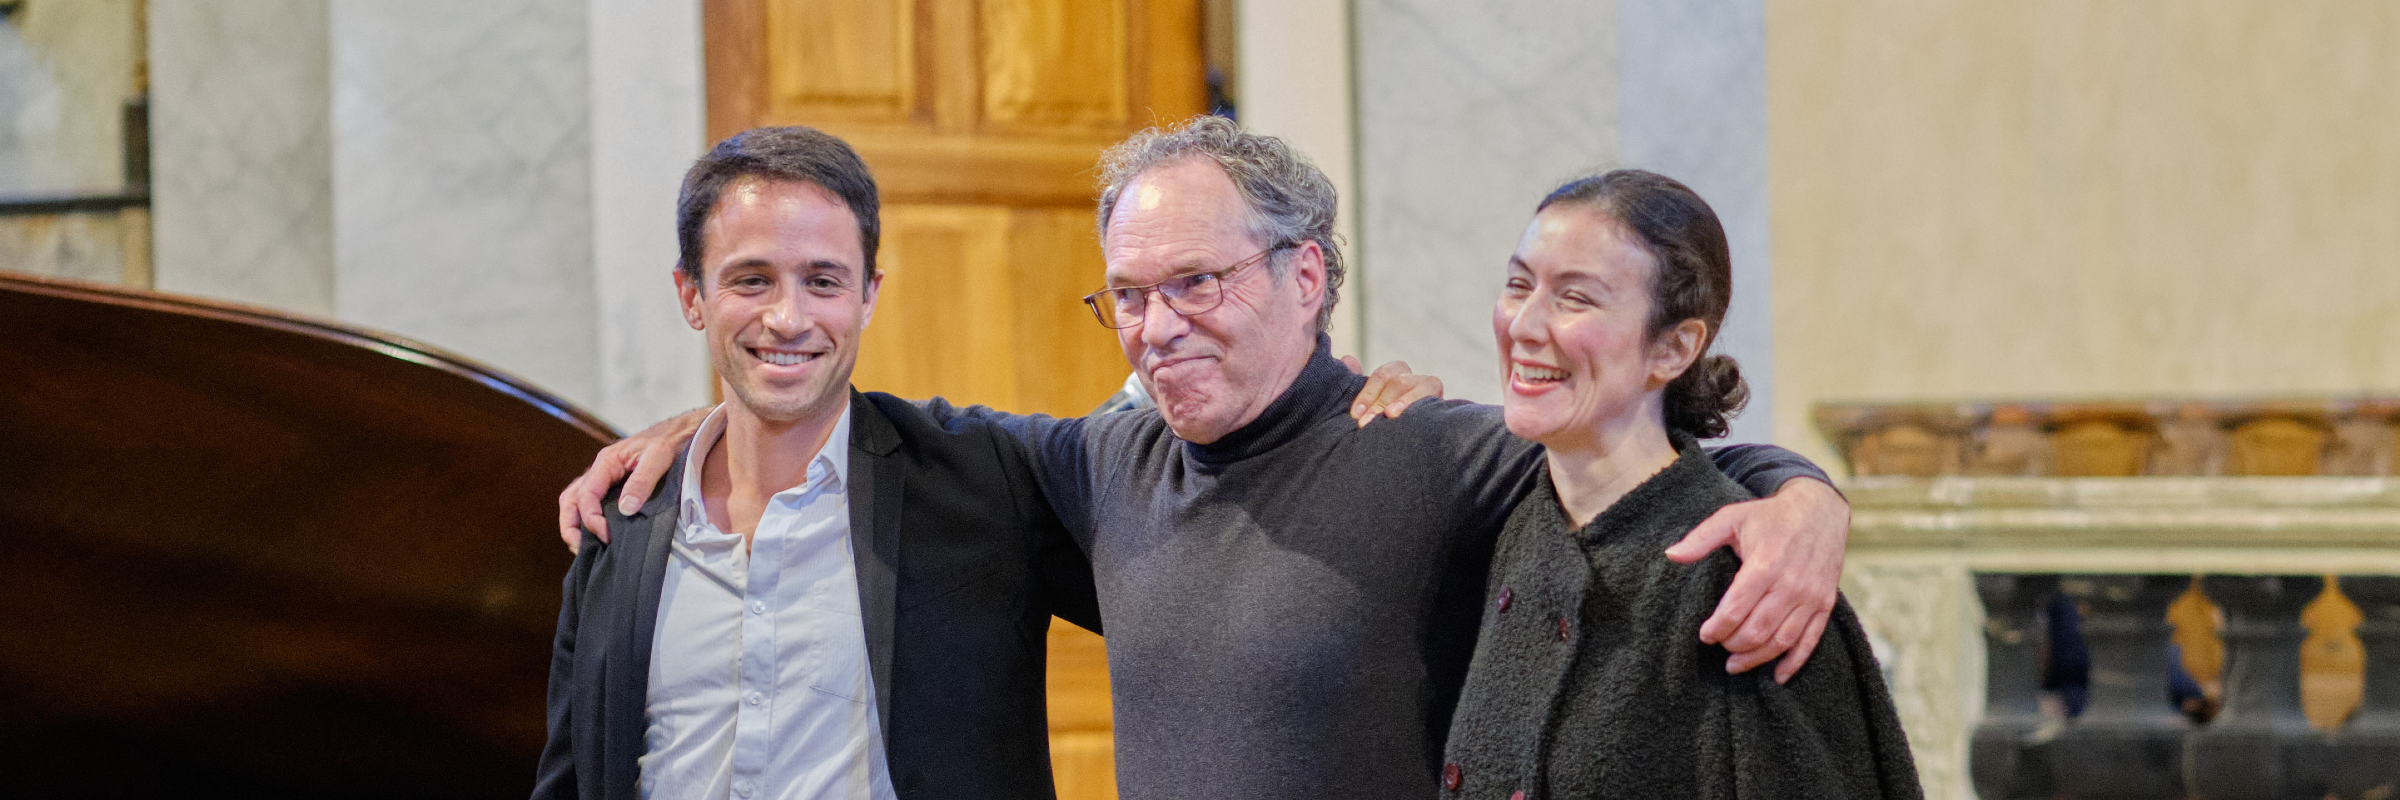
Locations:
{"points": [[982, 120]]}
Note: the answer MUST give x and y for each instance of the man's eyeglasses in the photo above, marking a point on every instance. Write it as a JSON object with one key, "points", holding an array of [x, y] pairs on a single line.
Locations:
{"points": [[1197, 293]]}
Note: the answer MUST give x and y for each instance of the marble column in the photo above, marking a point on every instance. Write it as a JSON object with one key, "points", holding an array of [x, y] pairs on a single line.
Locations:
{"points": [[462, 181], [1692, 105], [1467, 114], [241, 152], [647, 127]]}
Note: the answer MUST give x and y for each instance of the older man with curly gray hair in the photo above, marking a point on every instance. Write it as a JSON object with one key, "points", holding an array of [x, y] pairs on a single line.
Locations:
{"points": [[1290, 598]]}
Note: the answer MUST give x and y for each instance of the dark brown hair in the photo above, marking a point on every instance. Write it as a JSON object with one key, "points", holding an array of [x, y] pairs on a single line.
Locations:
{"points": [[1694, 280], [799, 154]]}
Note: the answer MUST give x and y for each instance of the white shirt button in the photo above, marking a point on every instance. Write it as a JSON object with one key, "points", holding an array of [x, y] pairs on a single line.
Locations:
{"points": [[742, 788], [756, 698], [757, 607]]}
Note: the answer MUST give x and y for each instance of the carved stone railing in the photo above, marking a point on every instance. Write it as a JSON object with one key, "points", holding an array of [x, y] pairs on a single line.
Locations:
{"points": [[1948, 574], [2355, 436]]}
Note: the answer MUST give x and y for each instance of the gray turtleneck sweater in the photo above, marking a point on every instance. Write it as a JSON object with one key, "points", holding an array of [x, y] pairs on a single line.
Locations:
{"points": [[1290, 610]]}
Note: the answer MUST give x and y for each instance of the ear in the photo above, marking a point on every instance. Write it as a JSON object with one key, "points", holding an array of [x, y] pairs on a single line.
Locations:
{"points": [[1676, 349], [874, 288], [1308, 271], [688, 293]]}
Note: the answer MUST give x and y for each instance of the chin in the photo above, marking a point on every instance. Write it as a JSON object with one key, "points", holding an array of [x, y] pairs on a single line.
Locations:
{"points": [[789, 405], [1194, 420], [1528, 424]]}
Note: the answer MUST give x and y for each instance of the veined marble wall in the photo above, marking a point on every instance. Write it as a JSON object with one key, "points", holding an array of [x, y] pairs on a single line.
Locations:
{"points": [[1692, 105], [462, 181], [241, 151], [494, 178], [647, 127], [1467, 114]]}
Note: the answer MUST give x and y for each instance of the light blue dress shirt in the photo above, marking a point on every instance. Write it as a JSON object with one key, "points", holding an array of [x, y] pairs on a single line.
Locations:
{"points": [[759, 682]]}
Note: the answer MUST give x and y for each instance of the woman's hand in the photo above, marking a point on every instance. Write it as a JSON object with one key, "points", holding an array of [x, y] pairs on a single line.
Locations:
{"points": [[643, 456], [1390, 390], [1791, 546]]}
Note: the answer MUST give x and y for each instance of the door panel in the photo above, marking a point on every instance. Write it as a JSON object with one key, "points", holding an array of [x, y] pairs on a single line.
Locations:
{"points": [[1049, 67], [944, 324], [982, 120]]}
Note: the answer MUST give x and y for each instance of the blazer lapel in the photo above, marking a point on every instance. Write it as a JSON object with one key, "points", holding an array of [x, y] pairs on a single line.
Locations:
{"points": [[626, 668], [875, 492]]}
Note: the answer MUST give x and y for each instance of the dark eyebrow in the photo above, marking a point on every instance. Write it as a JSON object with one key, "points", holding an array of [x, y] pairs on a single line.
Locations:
{"points": [[744, 265]]}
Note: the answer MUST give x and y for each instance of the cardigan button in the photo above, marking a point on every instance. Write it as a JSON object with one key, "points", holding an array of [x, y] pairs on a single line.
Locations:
{"points": [[1562, 629], [1517, 795], [1508, 597], [1451, 777]]}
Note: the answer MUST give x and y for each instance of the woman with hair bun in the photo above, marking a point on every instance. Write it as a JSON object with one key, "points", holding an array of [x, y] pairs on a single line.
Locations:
{"points": [[1589, 679]]}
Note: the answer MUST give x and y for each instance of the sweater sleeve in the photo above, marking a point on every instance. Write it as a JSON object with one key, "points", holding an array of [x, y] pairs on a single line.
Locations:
{"points": [[1061, 463], [1763, 468]]}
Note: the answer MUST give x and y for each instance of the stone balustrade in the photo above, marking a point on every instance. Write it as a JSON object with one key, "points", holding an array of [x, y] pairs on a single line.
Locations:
{"points": [[2355, 436], [2278, 589], [2129, 742]]}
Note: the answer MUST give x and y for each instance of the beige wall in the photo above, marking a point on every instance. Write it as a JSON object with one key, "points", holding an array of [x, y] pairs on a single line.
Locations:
{"points": [[2061, 198]]}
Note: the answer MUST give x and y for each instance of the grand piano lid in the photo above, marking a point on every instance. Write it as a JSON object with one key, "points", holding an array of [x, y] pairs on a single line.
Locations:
{"points": [[253, 552]]}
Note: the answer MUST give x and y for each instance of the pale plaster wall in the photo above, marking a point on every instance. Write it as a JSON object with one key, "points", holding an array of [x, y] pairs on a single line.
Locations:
{"points": [[66, 70], [1295, 84], [2054, 198]]}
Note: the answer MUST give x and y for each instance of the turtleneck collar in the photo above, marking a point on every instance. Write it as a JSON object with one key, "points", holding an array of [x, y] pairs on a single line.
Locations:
{"points": [[1323, 389]]}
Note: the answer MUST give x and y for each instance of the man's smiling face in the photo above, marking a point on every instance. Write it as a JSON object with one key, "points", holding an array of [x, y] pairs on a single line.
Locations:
{"points": [[783, 296]]}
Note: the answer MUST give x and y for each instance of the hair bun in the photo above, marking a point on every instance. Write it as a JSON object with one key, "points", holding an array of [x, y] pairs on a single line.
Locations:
{"points": [[1703, 400]]}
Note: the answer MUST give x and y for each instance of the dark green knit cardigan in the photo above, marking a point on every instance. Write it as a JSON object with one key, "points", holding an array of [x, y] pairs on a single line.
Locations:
{"points": [[1590, 681]]}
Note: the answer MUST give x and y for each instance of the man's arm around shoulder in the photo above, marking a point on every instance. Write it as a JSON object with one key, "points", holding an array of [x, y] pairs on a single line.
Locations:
{"points": [[1791, 543]]}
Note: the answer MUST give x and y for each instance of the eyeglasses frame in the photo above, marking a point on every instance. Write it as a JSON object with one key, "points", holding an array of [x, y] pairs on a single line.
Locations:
{"points": [[1092, 300]]}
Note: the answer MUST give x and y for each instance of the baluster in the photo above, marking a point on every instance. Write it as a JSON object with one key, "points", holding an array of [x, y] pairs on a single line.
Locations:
{"points": [[2005, 762], [2260, 746], [2128, 745], [2365, 758]]}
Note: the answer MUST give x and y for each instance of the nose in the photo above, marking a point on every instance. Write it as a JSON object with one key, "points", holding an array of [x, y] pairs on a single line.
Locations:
{"points": [[1161, 326], [783, 318], [1529, 322]]}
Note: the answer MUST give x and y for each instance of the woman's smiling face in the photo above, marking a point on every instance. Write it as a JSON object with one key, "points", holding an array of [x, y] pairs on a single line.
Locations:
{"points": [[1572, 324]]}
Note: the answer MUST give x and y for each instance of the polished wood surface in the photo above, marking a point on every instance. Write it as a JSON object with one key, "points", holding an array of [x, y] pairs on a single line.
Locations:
{"points": [[983, 121], [258, 554]]}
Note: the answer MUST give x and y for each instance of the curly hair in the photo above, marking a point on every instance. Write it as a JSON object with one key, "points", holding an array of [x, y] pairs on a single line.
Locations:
{"points": [[1289, 199]]}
